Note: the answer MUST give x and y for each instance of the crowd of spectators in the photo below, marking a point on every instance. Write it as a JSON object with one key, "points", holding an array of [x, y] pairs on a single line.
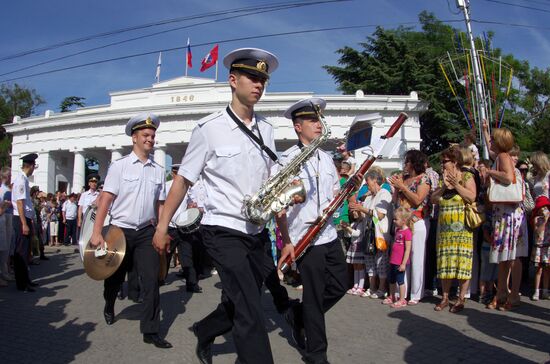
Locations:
{"points": [[422, 232]]}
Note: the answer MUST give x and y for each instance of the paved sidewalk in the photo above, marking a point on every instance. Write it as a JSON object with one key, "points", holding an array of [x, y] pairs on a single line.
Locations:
{"points": [[62, 322]]}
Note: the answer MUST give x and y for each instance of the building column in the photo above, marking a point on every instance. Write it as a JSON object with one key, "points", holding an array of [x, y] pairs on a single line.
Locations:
{"points": [[79, 169], [15, 164], [160, 155], [45, 173]]}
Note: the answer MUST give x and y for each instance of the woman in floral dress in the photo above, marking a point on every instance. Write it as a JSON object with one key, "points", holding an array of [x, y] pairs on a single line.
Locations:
{"points": [[507, 218]]}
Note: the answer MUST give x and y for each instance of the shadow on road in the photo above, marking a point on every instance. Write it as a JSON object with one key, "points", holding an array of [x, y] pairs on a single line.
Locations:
{"points": [[33, 330], [433, 341]]}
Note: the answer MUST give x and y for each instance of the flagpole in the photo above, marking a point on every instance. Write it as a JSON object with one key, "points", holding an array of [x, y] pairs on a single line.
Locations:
{"points": [[216, 79], [186, 64], [157, 75]]}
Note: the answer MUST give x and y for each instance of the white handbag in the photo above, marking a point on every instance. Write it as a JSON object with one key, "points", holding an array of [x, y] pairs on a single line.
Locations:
{"points": [[512, 193]]}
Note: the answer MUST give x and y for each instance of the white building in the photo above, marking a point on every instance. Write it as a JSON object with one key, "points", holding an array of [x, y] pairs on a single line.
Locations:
{"points": [[63, 141]]}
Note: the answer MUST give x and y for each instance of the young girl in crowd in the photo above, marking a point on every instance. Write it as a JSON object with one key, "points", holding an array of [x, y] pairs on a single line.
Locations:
{"points": [[355, 254], [541, 248], [399, 258]]}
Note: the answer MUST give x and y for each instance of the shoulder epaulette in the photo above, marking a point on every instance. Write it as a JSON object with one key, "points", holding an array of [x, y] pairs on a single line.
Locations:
{"points": [[208, 118]]}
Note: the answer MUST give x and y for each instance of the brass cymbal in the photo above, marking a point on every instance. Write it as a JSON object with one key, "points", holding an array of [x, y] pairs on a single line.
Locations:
{"points": [[103, 267], [163, 267]]}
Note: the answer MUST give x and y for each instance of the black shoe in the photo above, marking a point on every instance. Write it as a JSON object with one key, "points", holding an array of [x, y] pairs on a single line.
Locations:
{"points": [[203, 350], [194, 288], [43, 257], [27, 289], [156, 340], [298, 332], [180, 274], [33, 284], [109, 314]]}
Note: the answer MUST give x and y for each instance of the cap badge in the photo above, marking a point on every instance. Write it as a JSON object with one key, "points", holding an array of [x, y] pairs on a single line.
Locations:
{"points": [[261, 65], [148, 121]]}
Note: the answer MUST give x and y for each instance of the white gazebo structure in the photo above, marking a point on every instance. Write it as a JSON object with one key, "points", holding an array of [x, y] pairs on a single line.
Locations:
{"points": [[64, 141]]}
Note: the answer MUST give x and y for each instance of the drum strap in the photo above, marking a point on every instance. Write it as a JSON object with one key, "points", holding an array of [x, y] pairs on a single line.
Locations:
{"points": [[259, 140]]}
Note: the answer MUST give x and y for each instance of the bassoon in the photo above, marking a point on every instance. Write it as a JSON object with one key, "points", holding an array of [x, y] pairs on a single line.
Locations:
{"points": [[347, 190]]}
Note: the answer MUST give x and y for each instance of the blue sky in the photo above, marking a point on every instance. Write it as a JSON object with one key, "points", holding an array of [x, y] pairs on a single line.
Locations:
{"points": [[31, 24]]}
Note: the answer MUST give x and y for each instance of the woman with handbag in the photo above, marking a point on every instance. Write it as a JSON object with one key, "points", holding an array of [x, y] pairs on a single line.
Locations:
{"points": [[412, 191], [377, 206], [503, 192], [455, 244]]}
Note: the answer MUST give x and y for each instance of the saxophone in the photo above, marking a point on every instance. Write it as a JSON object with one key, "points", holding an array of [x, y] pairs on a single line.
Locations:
{"points": [[280, 190]]}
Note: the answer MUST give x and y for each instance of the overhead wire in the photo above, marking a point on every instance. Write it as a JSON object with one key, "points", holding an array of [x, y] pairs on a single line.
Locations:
{"points": [[163, 22], [285, 7], [165, 50], [518, 5], [259, 37]]}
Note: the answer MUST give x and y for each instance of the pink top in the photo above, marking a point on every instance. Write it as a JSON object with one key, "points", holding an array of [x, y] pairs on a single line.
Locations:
{"points": [[398, 246]]}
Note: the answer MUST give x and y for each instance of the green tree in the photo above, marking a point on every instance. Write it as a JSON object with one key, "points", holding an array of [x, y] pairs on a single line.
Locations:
{"points": [[14, 100], [71, 101], [398, 61]]}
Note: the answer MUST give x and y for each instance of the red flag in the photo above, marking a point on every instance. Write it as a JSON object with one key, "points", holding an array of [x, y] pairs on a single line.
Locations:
{"points": [[189, 55], [210, 59]]}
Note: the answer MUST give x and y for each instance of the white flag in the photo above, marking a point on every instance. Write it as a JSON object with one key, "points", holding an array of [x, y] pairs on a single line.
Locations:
{"points": [[157, 76]]}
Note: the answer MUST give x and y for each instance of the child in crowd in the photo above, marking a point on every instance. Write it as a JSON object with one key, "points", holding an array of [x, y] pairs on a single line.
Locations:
{"points": [[541, 249], [355, 254], [399, 258]]}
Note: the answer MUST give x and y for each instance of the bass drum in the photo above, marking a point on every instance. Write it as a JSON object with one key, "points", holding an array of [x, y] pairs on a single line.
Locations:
{"points": [[87, 228]]}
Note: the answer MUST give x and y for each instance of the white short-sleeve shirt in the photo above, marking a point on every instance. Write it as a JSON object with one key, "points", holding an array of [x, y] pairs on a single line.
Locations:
{"points": [[86, 199], [70, 209], [231, 166], [301, 214], [137, 187], [22, 191]]}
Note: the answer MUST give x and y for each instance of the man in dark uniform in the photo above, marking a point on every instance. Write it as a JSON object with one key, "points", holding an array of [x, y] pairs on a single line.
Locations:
{"points": [[135, 190], [23, 215]]}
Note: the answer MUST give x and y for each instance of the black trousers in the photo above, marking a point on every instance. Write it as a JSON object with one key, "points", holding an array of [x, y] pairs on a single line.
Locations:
{"points": [[21, 254], [188, 246], [70, 232], [239, 259], [430, 269], [141, 256], [324, 276], [273, 284]]}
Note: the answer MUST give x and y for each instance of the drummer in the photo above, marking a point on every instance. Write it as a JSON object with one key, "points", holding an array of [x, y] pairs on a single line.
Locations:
{"points": [[187, 244], [135, 190]]}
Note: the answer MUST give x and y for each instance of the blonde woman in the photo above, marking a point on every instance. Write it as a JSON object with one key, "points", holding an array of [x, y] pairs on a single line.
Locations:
{"points": [[507, 219]]}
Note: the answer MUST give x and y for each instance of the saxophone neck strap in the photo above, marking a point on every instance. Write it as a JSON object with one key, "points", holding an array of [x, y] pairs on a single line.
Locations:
{"points": [[258, 140]]}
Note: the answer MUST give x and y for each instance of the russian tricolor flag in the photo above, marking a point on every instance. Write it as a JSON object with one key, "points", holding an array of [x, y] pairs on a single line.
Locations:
{"points": [[189, 56]]}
